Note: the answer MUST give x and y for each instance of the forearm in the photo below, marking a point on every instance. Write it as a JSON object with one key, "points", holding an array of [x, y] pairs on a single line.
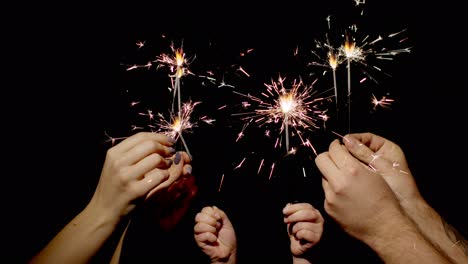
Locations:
{"points": [[403, 243], [118, 250], [444, 237], [79, 240]]}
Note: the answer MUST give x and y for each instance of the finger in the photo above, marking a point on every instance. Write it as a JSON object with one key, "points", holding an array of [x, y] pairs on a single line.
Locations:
{"points": [[308, 236], [144, 149], [374, 142], [202, 227], [338, 154], [328, 168], [367, 155], [222, 217], [134, 140], [175, 172], [149, 163], [151, 180], [206, 238], [314, 227], [187, 170], [211, 211], [311, 215], [292, 208], [207, 218]]}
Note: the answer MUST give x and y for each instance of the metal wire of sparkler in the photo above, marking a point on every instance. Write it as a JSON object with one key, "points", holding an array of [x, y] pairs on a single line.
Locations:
{"points": [[178, 65]]}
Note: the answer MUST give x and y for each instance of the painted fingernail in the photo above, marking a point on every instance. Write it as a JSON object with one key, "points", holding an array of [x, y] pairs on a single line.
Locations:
{"points": [[177, 158], [172, 140], [171, 150], [188, 170]]}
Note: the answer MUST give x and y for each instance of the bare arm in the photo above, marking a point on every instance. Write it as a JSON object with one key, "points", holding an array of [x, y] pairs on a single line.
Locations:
{"points": [[401, 242], [443, 235], [365, 206], [132, 168], [387, 159]]}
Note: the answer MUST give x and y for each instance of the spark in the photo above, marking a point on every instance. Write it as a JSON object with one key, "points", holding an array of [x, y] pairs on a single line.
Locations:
{"points": [[240, 164], [140, 44], [296, 107], [384, 102], [112, 139], [243, 71], [177, 62], [221, 183], [271, 171], [260, 166], [359, 2]]}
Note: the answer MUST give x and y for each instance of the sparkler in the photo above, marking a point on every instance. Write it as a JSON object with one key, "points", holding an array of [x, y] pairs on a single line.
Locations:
{"points": [[358, 51], [178, 124], [178, 66], [296, 107]]}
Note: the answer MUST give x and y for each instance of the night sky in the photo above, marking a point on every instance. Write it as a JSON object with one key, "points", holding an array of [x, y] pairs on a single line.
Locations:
{"points": [[70, 87]]}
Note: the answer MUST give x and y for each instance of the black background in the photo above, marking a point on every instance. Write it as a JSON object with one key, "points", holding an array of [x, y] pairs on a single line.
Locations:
{"points": [[66, 86]]}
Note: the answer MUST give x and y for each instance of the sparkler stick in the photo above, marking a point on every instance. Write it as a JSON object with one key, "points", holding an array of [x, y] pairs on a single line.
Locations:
{"points": [[349, 49]]}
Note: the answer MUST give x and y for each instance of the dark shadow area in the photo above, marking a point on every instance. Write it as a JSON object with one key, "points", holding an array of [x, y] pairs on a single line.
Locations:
{"points": [[72, 91]]}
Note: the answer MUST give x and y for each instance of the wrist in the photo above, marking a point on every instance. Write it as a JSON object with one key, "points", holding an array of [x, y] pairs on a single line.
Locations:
{"points": [[231, 259], [391, 227], [301, 260]]}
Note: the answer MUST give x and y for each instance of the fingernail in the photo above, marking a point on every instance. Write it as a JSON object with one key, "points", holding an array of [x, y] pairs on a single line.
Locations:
{"points": [[188, 170], [172, 150], [350, 140], [177, 158]]}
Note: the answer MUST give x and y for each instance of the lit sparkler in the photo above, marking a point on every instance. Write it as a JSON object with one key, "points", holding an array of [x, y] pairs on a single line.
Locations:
{"points": [[358, 51], [178, 66], [296, 107], [175, 127]]}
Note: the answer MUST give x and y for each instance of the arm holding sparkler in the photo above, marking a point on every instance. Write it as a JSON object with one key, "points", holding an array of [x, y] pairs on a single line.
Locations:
{"points": [[131, 170], [305, 228], [388, 159], [215, 235], [365, 206]]}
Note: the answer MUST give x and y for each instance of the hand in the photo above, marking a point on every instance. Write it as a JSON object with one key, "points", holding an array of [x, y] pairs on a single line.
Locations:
{"points": [[305, 227], [170, 205], [355, 196], [131, 170], [215, 235], [387, 159]]}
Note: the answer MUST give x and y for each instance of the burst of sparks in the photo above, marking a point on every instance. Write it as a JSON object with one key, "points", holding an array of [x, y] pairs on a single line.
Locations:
{"points": [[177, 62], [177, 125], [358, 50], [296, 107]]}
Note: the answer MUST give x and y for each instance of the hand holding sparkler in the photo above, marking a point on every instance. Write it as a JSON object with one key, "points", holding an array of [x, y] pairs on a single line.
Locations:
{"points": [[354, 192], [134, 168], [388, 160]]}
